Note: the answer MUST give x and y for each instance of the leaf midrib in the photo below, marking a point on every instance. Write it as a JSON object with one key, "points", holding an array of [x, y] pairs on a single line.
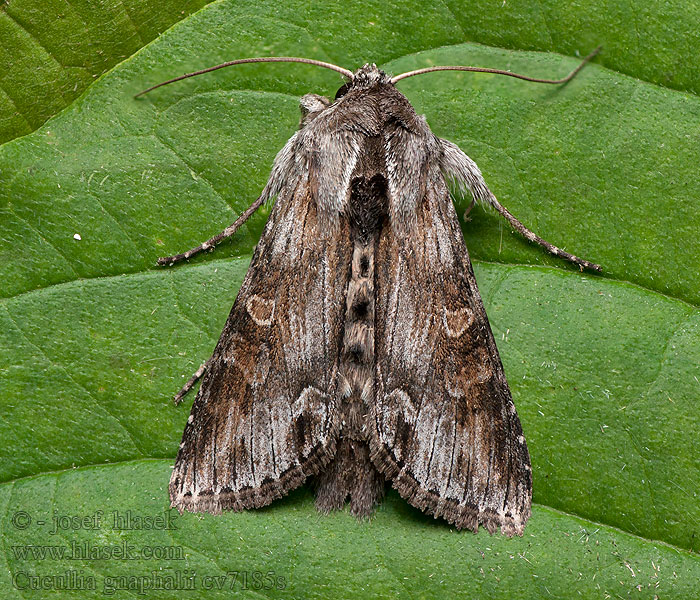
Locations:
{"points": [[546, 268]]}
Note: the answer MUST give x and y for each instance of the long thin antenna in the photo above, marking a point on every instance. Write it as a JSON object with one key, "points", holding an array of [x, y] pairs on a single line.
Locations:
{"points": [[497, 71], [242, 61]]}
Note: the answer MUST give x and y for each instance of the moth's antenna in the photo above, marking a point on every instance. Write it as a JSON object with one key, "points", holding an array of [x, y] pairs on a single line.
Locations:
{"points": [[497, 71], [242, 61]]}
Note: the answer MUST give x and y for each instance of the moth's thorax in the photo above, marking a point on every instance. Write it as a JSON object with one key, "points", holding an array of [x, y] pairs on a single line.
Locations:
{"points": [[372, 133], [364, 80]]}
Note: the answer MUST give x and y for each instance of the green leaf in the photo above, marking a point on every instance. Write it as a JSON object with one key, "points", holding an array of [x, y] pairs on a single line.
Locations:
{"points": [[604, 370], [52, 50]]}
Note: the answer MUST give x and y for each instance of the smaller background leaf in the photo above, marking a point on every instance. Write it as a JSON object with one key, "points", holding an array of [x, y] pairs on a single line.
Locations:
{"points": [[53, 50]]}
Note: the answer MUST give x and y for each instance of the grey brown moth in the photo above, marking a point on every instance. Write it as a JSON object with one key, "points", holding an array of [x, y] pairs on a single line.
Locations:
{"points": [[358, 350]]}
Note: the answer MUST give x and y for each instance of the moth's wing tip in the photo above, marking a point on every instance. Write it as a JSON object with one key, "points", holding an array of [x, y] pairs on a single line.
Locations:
{"points": [[513, 528], [175, 503], [508, 526], [176, 496], [204, 504], [461, 516], [216, 502]]}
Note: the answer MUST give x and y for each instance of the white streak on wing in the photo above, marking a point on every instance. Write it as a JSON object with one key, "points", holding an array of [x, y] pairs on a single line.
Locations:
{"points": [[392, 314], [404, 335], [416, 358], [441, 464], [455, 489], [224, 454], [262, 442], [281, 415], [283, 229], [301, 404], [314, 325], [424, 436], [444, 241], [431, 243], [477, 468]]}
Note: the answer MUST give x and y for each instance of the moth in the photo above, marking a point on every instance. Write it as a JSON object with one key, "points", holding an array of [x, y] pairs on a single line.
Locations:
{"points": [[358, 350]]}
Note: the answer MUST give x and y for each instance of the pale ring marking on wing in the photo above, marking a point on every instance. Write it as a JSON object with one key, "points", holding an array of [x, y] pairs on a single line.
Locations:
{"points": [[261, 310], [456, 322]]}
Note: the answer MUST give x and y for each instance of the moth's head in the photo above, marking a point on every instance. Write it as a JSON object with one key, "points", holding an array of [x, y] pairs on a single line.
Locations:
{"points": [[364, 78]]}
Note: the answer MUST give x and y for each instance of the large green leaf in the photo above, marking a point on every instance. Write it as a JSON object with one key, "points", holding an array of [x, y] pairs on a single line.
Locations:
{"points": [[94, 339]]}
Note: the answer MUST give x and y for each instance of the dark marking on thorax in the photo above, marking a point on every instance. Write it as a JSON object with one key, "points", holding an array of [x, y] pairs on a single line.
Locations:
{"points": [[368, 192]]}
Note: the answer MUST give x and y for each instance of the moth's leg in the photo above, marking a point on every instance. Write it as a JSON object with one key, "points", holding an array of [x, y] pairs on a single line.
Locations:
{"points": [[465, 217], [457, 165], [228, 232], [533, 237], [190, 384]]}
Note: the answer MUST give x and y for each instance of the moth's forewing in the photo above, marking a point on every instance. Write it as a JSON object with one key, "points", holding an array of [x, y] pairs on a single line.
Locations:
{"points": [[266, 417], [443, 425]]}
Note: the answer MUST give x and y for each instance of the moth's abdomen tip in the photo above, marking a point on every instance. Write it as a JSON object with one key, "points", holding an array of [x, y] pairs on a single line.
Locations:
{"points": [[511, 529]]}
